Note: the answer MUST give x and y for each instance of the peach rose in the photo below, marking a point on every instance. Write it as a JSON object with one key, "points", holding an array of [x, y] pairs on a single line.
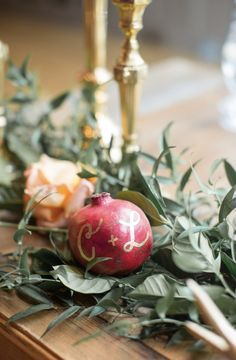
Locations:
{"points": [[58, 179]]}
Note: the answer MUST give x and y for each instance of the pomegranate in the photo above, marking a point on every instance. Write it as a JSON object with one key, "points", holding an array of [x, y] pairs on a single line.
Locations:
{"points": [[111, 228]]}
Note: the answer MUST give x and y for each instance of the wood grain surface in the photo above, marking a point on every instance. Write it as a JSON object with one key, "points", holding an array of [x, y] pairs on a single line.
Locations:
{"points": [[23, 341]]}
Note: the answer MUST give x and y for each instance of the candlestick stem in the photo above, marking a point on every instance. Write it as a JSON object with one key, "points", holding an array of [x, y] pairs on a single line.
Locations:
{"points": [[96, 74], [130, 69], [3, 58]]}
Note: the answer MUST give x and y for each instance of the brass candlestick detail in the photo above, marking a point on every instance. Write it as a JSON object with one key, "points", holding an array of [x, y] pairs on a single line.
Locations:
{"points": [[96, 74], [3, 57], [130, 69]]}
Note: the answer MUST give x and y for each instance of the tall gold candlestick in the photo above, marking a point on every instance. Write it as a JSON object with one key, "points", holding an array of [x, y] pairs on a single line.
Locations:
{"points": [[3, 58], [130, 68], [96, 74]]}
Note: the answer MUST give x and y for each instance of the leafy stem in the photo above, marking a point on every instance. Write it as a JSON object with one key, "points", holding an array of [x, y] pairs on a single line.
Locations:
{"points": [[34, 228], [226, 286], [161, 321]]}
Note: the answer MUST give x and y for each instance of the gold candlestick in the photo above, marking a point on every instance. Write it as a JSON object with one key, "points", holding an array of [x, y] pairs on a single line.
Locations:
{"points": [[96, 74], [130, 68], [3, 58]]}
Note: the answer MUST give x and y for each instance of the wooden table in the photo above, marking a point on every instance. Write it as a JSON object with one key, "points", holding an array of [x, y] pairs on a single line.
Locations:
{"points": [[195, 125]]}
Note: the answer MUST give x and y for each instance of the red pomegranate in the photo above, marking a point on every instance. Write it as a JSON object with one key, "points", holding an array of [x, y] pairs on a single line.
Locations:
{"points": [[110, 228]]}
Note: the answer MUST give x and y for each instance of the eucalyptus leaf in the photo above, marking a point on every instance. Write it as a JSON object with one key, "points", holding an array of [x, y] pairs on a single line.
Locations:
{"points": [[73, 278]]}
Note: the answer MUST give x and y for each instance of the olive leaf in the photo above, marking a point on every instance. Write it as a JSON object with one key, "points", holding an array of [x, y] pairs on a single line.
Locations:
{"points": [[73, 278], [58, 100], [24, 263], [228, 204], [148, 187], [145, 204], [33, 294], [230, 173], [30, 311], [11, 199], [62, 317], [229, 263], [185, 178]]}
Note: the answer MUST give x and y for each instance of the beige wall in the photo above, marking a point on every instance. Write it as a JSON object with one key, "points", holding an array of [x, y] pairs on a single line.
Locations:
{"points": [[195, 26]]}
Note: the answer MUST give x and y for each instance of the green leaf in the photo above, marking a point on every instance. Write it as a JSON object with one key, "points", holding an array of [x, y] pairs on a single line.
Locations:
{"points": [[11, 199], [158, 286], [159, 159], [213, 168], [30, 311], [22, 148], [57, 101], [165, 147], [193, 252], [185, 178], [74, 279], [163, 304], [204, 188], [174, 207], [46, 256], [229, 263], [87, 172], [14, 75], [143, 203], [93, 262], [230, 173], [62, 317], [24, 66], [6, 172], [139, 183], [20, 234], [24, 263], [228, 204], [195, 230], [97, 310], [33, 294]]}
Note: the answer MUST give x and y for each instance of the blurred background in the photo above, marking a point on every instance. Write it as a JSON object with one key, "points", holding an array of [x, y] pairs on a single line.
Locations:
{"points": [[51, 31]]}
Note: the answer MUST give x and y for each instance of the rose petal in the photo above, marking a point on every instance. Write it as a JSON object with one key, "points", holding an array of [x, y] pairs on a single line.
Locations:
{"points": [[59, 223], [59, 172], [77, 200], [48, 213]]}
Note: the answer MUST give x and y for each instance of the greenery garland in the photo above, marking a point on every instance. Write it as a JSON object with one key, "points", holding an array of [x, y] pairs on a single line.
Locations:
{"points": [[154, 300]]}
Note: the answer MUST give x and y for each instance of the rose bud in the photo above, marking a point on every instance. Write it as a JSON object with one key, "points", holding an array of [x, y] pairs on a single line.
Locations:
{"points": [[64, 191]]}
